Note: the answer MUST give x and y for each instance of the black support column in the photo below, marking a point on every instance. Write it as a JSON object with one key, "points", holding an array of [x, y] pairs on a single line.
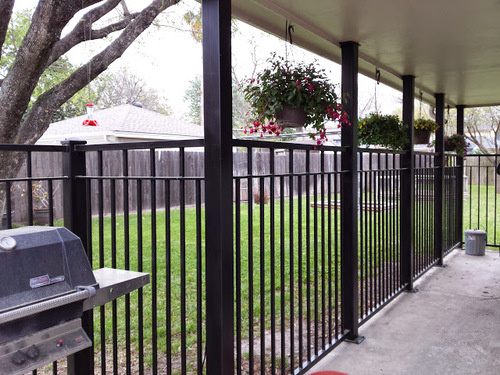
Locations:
{"points": [[75, 219], [218, 185], [439, 181], [408, 188], [349, 216], [460, 177]]}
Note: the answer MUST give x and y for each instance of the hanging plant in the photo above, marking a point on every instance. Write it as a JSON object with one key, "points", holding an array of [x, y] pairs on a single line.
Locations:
{"points": [[285, 85], [384, 130], [454, 143], [423, 129]]}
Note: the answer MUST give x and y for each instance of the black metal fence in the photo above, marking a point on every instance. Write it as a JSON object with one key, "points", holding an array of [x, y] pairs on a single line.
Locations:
{"points": [[482, 189], [289, 295]]}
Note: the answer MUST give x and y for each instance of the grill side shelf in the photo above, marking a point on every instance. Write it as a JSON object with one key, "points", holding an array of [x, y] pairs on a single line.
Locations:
{"points": [[114, 283]]}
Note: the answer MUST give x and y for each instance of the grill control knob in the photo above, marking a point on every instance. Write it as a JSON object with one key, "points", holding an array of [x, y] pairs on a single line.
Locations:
{"points": [[33, 352], [19, 358]]}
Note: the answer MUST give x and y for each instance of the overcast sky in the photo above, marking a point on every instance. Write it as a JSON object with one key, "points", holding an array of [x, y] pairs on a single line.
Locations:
{"points": [[167, 58]]}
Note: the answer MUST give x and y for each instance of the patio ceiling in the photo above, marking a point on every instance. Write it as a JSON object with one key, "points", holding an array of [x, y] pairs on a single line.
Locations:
{"points": [[451, 47]]}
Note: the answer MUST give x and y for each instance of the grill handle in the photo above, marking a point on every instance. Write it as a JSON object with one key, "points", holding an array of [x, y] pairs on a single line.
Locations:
{"points": [[36, 308]]}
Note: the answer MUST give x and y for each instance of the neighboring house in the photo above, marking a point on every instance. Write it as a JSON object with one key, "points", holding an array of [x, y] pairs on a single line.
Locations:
{"points": [[124, 123]]}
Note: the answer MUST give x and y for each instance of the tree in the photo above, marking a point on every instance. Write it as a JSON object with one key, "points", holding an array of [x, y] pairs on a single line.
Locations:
{"points": [[193, 96], [482, 126], [43, 46], [124, 87]]}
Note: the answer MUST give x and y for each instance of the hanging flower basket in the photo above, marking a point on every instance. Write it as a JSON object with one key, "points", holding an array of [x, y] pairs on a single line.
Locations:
{"points": [[386, 131], [423, 129], [421, 136], [290, 117], [301, 85]]}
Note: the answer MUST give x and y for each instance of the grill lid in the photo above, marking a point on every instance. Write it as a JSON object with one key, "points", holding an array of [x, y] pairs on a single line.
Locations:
{"points": [[38, 263]]}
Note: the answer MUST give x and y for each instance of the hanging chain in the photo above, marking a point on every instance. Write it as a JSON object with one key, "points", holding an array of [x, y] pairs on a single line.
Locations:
{"points": [[420, 99], [289, 29], [377, 82]]}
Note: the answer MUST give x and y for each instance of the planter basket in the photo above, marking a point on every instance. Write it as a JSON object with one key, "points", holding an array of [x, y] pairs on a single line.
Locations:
{"points": [[448, 147], [290, 117], [421, 136], [42, 216]]}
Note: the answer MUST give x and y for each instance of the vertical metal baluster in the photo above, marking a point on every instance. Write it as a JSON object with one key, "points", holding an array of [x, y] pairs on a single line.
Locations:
{"points": [[338, 197], [363, 279], [182, 188], [299, 270], [50, 192], [329, 247], [154, 260], [495, 181], [479, 194], [323, 255], [291, 266], [282, 274], [126, 244], [272, 252], [8, 203], [114, 306], [250, 259], [168, 276], [100, 189], [308, 252], [262, 266], [29, 186], [199, 279], [140, 297], [237, 238], [316, 266]]}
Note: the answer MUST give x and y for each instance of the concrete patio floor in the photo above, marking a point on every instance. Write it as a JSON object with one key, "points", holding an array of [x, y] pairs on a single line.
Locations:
{"points": [[451, 326]]}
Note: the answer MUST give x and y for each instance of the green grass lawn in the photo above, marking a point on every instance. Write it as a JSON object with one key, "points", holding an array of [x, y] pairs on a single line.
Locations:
{"points": [[482, 211], [270, 268]]}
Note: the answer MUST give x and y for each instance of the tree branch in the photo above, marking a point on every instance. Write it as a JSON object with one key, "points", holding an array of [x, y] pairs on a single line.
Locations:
{"points": [[44, 108], [78, 34], [49, 19], [6, 7]]}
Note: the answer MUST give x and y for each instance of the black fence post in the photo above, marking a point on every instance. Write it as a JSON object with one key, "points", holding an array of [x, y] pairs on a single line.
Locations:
{"points": [[75, 219], [217, 98], [460, 178], [439, 181], [349, 193], [408, 188]]}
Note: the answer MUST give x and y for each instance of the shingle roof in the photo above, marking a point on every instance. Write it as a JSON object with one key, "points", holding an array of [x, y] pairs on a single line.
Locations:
{"points": [[127, 118]]}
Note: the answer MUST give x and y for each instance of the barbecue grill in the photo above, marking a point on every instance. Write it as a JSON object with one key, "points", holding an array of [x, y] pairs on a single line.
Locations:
{"points": [[46, 282]]}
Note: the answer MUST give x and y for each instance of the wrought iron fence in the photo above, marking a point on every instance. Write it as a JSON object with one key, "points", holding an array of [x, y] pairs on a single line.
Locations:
{"points": [[290, 291], [482, 189]]}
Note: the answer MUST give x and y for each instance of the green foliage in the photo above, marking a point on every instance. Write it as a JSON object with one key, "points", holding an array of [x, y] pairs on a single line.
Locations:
{"points": [[384, 130], [192, 96], [298, 85], [455, 143], [426, 124], [56, 73]]}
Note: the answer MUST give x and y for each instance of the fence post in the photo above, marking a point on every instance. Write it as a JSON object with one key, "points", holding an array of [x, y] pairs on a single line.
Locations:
{"points": [[439, 181], [217, 99], [408, 188], [75, 219], [460, 178], [349, 193]]}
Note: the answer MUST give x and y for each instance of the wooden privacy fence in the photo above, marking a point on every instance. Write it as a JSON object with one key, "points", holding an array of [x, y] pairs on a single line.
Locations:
{"points": [[167, 163]]}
